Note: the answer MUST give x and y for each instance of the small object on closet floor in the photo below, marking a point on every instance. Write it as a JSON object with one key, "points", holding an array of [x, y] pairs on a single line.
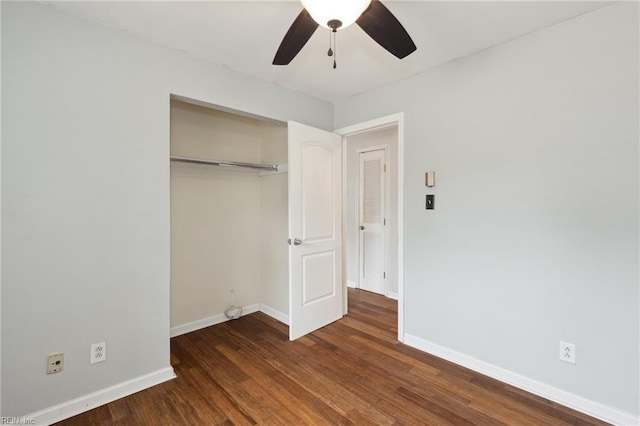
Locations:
{"points": [[233, 312]]}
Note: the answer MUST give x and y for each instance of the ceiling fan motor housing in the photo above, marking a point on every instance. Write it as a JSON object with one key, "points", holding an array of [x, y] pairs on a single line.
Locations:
{"points": [[334, 24]]}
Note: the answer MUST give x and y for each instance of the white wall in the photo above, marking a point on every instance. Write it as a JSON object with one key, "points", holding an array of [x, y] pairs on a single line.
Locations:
{"points": [[534, 238], [85, 196], [357, 142]]}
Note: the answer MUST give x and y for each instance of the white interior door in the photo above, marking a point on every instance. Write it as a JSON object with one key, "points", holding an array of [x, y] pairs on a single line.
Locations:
{"points": [[315, 229], [371, 206]]}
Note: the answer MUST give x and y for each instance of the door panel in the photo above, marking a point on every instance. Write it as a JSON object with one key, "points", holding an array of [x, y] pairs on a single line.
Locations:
{"points": [[317, 193], [315, 221], [372, 220], [318, 278]]}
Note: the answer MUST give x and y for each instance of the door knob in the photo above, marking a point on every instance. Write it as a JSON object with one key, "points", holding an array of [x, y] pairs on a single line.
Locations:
{"points": [[297, 241], [361, 228]]}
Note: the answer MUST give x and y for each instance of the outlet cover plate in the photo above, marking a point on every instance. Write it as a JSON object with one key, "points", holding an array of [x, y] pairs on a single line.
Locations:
{"points": [[568, 352], [98, 352], [55, 363]]}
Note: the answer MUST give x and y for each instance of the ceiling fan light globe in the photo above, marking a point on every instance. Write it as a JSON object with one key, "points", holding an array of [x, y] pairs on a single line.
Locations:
{"points": [[346, 11]]}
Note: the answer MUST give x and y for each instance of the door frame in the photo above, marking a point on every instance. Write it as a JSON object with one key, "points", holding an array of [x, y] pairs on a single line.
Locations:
{"points": [[365, 127], [385, 231]]}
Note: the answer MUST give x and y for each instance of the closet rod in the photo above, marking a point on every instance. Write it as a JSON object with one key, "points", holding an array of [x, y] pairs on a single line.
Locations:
{"points": [[225, 163]]}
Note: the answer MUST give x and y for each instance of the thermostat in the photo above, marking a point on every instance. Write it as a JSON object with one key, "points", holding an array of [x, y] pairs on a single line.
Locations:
{"points": [[430, 179]]}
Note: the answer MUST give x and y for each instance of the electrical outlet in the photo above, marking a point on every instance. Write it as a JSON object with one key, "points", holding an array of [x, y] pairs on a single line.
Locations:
{"points": [[55, 363], [568, 352], [98, 352]]}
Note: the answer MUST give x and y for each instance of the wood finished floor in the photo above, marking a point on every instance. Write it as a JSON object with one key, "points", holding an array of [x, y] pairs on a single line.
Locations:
{"points": [[352, 372]]}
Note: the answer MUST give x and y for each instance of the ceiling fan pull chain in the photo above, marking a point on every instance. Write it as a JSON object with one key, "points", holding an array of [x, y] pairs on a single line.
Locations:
{"points": [[335, 49], [330, 52]]}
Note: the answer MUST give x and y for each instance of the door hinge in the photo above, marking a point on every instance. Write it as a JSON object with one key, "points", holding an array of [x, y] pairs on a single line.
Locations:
{"points": [[384, 275], [384, 168], [384, 222]]}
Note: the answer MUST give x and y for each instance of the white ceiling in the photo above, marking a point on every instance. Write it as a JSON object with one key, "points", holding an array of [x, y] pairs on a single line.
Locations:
{"points": [[244, 35]]}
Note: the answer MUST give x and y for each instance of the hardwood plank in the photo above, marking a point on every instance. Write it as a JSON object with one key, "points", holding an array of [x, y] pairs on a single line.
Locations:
{"points": [[352, 372]]}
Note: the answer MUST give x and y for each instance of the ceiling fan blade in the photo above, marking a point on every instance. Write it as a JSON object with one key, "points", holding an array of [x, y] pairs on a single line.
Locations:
{"points": [[386, 30], [294, 40]]}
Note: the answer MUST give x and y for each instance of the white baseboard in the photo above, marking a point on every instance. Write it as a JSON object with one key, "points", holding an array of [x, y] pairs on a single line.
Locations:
{"points": [[219, 319], [208, 322], [275, 314], [578, 403], [88, 402], [389, 294]]}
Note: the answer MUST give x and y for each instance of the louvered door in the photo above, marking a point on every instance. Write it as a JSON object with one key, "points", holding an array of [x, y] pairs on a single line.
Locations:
{"points": [[372, 191]]}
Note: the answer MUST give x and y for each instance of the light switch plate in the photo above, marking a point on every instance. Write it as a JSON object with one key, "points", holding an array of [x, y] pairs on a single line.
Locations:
{"points": [[430, 202]]}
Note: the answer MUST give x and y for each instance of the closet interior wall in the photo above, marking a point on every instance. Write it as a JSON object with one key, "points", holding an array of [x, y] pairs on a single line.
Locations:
{"points": [[228, 225]]}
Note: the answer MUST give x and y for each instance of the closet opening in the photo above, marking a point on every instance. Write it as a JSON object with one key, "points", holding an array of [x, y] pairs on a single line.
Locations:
{"points": [[229, 220]]}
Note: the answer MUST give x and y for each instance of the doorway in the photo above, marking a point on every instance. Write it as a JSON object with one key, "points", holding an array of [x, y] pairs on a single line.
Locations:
{"points": [[368, 141]]}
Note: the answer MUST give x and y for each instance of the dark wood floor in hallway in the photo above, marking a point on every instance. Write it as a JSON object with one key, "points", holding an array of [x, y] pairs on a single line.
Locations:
{"points": [[352, 372]]}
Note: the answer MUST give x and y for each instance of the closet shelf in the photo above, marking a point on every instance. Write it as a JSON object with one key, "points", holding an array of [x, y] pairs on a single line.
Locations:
{"points": [[268, 167]]}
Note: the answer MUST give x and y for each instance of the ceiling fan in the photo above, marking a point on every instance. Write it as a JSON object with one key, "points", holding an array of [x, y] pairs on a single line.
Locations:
{"points": [[370, 15]]}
